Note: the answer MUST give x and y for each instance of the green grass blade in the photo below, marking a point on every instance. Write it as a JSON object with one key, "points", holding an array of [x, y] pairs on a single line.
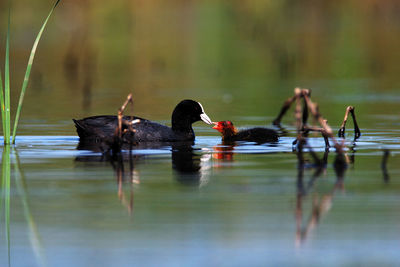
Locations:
{"points": [[28, 72], [7, 122], [2, 105]]}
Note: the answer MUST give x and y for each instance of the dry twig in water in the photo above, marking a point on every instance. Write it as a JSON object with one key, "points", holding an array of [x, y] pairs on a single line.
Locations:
{"points": [[357, 132], [121, 121], [301, 116]]}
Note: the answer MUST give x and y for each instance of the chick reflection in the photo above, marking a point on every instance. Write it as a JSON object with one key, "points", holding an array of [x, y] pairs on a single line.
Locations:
{"points": [[224, 151], [190, 168]]}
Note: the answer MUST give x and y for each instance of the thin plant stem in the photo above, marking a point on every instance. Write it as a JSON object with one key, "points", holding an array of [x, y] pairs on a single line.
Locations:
{"points": [[2, 105], [28, 72], [7, 89]]}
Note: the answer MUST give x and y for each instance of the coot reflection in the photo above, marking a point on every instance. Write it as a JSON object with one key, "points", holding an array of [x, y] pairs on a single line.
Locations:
{"points": [[190, 168]]}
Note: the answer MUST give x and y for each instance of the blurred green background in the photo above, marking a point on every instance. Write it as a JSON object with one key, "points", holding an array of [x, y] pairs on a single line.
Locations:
{"points": [[238, 58]]}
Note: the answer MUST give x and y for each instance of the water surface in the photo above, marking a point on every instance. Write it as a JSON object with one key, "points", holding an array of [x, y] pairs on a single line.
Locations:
{"points": [[212, 204]]}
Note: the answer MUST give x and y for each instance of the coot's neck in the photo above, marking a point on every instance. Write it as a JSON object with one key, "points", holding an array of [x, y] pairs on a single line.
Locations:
{"points": [[181, 124]]}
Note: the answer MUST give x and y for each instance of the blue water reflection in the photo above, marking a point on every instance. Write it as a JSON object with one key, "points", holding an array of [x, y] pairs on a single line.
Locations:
{"points": [[190, 205]]}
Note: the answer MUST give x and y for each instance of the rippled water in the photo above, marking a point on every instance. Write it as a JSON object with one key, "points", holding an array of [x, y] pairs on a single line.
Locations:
{"points": [[210, 205]]}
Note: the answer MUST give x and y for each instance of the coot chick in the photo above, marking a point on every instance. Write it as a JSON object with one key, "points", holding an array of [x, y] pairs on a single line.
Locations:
{"points": [[103, 128], [258, 134]]}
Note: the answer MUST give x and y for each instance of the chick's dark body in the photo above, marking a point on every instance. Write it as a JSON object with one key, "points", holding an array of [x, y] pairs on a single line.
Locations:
{"points": [[258, 135]]}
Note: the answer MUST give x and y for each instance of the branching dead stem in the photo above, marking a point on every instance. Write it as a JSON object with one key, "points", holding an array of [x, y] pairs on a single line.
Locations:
{"points": [[326, 129], [284, 108], [301, 117], [298, 113], [121, 121], [320, 206], [357, 132], [308, 129]]}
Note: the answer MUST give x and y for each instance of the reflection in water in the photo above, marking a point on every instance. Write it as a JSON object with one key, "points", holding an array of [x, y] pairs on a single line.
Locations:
{"points": [[186, 163], [20, 183], [6, 171], [386, 154], [34, 235], [190, 168], [320, 205], [352, 151], [121, 176], [123, 164], [224, 151]]}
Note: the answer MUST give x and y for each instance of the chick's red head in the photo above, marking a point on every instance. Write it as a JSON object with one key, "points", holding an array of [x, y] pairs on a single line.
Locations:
{"points": [[226, 128]]}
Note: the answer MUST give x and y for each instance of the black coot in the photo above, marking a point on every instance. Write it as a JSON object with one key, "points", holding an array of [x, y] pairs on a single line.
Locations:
{"points": [[258, 134], [103, 128]]}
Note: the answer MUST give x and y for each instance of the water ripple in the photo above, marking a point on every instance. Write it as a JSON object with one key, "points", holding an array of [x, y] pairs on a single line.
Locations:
{"points": [[372, 142]]}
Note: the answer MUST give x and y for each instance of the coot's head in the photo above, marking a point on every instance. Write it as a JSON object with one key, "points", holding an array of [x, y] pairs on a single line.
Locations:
{"points": [[226, 128], [186, 113]]}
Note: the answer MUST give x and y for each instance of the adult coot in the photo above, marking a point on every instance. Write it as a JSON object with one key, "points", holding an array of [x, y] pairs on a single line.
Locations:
{"points": [[258, 134], [103, 128]]}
